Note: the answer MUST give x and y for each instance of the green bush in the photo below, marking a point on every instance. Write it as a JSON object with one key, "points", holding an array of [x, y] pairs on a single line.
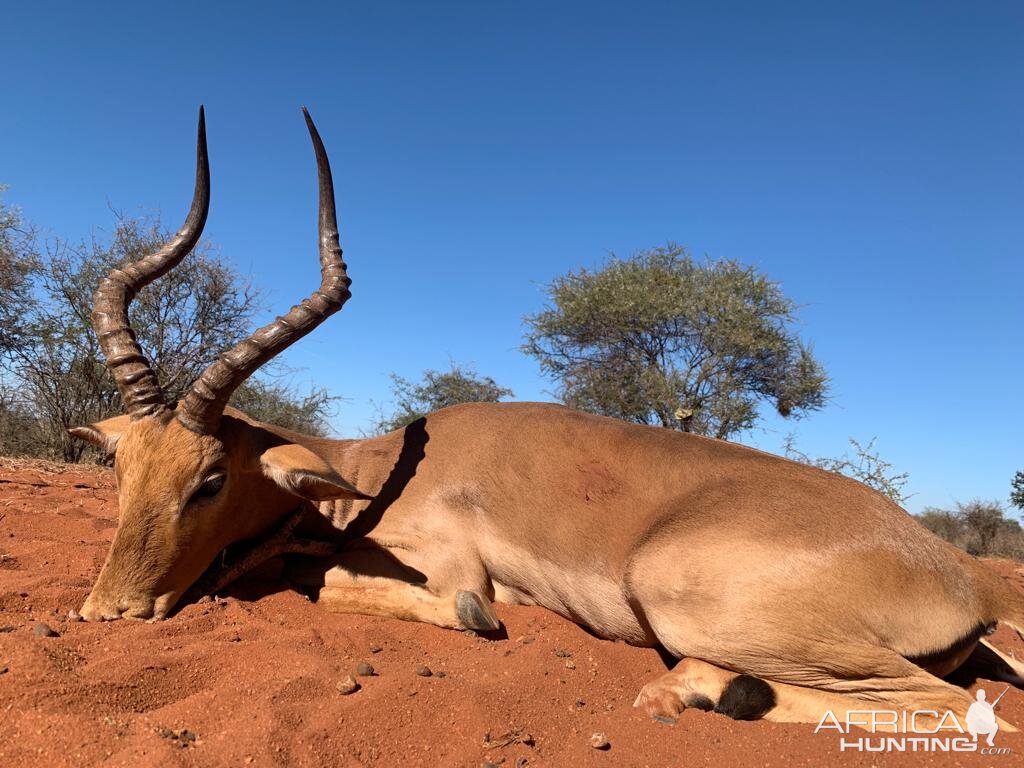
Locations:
{"points": [[979, 527]]}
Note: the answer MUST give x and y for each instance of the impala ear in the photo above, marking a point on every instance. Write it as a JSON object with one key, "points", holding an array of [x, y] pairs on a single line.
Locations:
{"points": [[300, 471], [103, 434]]}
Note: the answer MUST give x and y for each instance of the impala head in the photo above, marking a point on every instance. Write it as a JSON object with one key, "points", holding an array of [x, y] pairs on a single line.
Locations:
{"points": [[198, 476]]}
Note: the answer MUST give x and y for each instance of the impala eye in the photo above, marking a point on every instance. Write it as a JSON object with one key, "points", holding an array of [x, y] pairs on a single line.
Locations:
{"points": [[211, 486]]}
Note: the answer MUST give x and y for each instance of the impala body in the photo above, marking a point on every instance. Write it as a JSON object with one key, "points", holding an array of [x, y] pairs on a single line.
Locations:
{"points": [[785, 590]]}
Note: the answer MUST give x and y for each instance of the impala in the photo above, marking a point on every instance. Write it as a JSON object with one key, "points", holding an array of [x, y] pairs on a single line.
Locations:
{"points": [[785, 590]]}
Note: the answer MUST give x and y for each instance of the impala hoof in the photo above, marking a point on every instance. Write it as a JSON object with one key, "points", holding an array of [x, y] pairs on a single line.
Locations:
{"points": [[475, 612]]}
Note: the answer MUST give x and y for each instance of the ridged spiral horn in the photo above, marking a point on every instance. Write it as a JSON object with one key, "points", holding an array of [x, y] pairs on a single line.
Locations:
{"points": [[204, 404], [140, 391]]}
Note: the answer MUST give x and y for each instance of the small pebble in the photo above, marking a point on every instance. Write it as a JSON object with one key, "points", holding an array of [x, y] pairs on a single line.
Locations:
{"points": [[374, 648], [7, 629], [440, 673], [600, 741], [580, 703], [44, 630], [526, 639], [23, 594], [3, 669], [204, 599], [664, 720], [521, 761], [347, 686], [570, 664], [74, 615], [562, 653], [423, 671], [488, 765], [363, 669], [184, 737]]}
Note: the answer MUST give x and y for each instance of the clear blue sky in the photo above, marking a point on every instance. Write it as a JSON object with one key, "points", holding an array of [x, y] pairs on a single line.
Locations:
{"points": [[867, 155]]}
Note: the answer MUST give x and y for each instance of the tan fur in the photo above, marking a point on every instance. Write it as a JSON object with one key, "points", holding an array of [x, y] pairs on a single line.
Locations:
{"points": [[744, 561]]}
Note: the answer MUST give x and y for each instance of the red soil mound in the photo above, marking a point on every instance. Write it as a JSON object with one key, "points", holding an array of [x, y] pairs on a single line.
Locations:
{"points": [[251, 680]]}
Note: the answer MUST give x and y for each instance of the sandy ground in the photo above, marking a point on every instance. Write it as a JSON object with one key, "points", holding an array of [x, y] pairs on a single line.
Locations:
{"points": [[251, 679]]}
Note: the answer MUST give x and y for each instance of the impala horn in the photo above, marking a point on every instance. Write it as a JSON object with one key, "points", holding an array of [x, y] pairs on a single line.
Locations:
{"points": [[202, 407], [140, 390]]}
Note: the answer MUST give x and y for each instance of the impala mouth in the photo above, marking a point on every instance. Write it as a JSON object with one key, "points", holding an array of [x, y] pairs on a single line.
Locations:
{"points": [[209, 580], [235, 560]]}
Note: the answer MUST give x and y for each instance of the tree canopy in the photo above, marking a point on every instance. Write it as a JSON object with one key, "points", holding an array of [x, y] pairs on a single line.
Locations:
{"points": [[436, 390], [18, 262], [659, 338], [979, 527], [1017, 490]]}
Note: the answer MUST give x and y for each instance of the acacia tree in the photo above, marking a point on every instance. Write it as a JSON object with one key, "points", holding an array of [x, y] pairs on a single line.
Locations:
{"points": [[182, 321], [285, 406], [18, 263], [979, 527], [1017, 490], [661, 339], [436, 390]]}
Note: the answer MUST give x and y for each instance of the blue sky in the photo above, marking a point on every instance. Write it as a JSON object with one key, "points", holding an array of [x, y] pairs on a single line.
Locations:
{"points": [[866, 155]]}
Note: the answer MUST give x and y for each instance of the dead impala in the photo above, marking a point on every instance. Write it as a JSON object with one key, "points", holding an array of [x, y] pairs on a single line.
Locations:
{"points": [[784, 590]]}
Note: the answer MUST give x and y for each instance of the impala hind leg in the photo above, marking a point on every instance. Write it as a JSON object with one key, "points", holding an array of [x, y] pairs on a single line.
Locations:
{"points": [[877, 679], [695, 684], [779, 671], [989, 662]]}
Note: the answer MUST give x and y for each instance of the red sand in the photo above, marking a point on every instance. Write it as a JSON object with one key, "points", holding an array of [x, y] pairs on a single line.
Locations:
{"points": [[253, 677]]}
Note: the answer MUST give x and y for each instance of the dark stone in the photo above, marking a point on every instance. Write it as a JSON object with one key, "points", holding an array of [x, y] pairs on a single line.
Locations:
{"points": [[44, 630]]}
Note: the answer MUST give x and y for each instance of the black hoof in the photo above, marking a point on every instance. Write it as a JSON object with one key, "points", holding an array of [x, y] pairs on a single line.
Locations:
{"points": [[701, 702], [475, 612], [746, 698]]}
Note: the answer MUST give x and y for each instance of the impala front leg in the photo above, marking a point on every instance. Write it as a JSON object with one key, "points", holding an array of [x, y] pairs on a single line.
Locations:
{"points": [[400, 600], [369, 579]]}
